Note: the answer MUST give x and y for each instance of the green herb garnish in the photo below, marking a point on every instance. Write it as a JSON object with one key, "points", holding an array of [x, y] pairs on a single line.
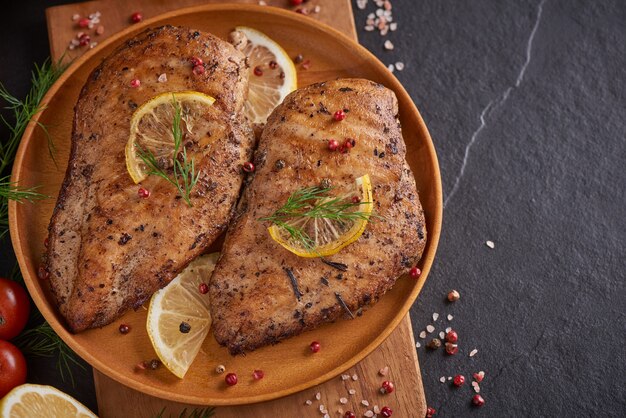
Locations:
{"points": [[184, 176]]}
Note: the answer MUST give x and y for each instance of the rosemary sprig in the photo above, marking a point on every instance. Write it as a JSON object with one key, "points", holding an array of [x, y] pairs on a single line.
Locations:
{"points": [[195, 413], [314, 203], [184, 176]]}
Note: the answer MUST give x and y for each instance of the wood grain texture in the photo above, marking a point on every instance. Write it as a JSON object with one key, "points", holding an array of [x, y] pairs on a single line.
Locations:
{"points": [[116, 14], [397, 352], [35, 167]]}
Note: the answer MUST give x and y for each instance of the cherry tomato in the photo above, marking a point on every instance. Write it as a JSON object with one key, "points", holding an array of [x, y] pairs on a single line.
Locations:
{"points": [[14, 308], [12, 367]]}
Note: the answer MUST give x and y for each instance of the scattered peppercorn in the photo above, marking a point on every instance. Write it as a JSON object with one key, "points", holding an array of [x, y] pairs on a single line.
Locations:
{"points": [[135, 82], [258, 374], [154, 364], [203, 288], [184, 327], [452, 349], [43, 273], [349, 414], [220, 369], [430, 412], [273, 65], [306, 65], [333, 144], [136, 17], [388, 386], [83, 22], [231, 379], [198, 69], [326, 183], [84, 40], [356, 199], [279, 164], [143, 193], [434, 344], [248, 167], [415, 272], [459, 380], [315, 347], [453, 296], [339, 115], [124, 329], [258, 71], [296, 2], [452, 336], [347, 144], [298, 59], [386, 411], [478, 400]]}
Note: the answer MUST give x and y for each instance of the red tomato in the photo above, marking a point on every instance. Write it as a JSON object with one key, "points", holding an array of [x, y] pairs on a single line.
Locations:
{"points": [[14, 308], [12, 367]]}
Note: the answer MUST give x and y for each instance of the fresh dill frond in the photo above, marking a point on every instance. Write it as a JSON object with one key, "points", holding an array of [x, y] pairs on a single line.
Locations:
{"points": [[42, 341], [314, 203], [184, 176], [194, 413]]}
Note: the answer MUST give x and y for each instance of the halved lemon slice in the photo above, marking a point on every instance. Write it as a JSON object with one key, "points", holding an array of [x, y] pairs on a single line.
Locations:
{"points": [[151, 128], [327, 234], [27, 401], [272, 74], [179, 318]]}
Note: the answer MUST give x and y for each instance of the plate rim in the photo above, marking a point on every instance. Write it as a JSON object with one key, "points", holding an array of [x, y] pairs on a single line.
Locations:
{"points": [[46, 311]]}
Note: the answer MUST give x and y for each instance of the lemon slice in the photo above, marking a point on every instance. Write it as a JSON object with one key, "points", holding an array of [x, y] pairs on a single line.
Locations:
{"points": [[151, 128], [27, 401], [272, 82], [329, 236], [178, 316]]}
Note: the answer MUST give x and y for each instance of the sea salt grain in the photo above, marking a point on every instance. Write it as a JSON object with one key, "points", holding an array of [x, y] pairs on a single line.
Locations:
{"points": [[448, 330], [423, 334], [435, 316], [442, 379], [162, 78], [418, 345], [400, 67], [388, 45], [442, 335], [393, 26], [368, 414], [318, 396], [309, 402], [355, 377], [450, 317], [430, 328], [384, 371], [365, 403], [390, 67], [343, 401], [361, 4], [345, 376], [352, 391], [490, 244], [473, 352]]}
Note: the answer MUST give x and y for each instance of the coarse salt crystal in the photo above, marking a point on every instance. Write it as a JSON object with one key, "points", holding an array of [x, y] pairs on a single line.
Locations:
{"points": [[309, 402], [361, 4], [449, 378], [326, 415], [162, 78], [476, 387], [368, 414], [100, 30], [388, 45], [355, 377], [71, 47], [75, 16], [390, 67], [365, 403], [262, 3], [322, 408], [393, 26], [400, 67], [384, 371], [442, 379], [317, 9], [423, 334], [384, 31], [93, 45], [352, 391], [490, 244], [435, 315], [369, 28], [418, 345], [371, 16], [318, 396], [430, 328], [345, 376], [450, 317], [442, 335], [379, 12], [376, 409], [325, 412], [448, 329], [343, 401], [473, 352]]}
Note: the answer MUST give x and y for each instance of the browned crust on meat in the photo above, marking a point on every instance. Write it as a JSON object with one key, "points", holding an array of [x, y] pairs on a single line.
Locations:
{"points": [[252, 301], [97, 272]]}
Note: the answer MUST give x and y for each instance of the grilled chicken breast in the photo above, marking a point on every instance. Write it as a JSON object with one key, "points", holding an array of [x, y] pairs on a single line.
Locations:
{"points": [[260, 292], [110, 249]]}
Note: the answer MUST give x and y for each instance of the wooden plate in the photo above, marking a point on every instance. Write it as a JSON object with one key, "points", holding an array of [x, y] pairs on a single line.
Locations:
{"points": [[289, 367]]}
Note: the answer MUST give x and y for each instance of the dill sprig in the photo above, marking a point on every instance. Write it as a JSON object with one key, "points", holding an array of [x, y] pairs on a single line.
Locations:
{"points": [[184, 176], [42, 341], [11, 191], [195, 413], [314, 203]]}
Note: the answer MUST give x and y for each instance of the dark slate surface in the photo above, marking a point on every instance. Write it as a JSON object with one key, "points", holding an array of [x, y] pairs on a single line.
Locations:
{"points": [[526, 103]]}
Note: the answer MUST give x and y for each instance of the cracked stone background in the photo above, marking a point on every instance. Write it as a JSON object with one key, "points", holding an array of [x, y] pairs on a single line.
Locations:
{"points": [[526, 103]]}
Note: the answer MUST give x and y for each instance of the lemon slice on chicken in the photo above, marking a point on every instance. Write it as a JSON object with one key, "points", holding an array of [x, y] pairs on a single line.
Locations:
{"points": [[151, 128], [327, 235], [178, 316], [272, 75], [28, 400]]}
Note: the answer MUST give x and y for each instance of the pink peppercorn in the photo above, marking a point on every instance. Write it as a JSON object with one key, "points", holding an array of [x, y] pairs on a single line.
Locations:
{"points": [[339, 115], [83, 22], [198, 69], [135, 82], [136, 17], [478, 400], [415, 272], [315, 347], [386, 411], [452, 349], [333, 144], [430, 412], [258, 374], [203, 288], [231, 379], [452, 336], [143, 193], [388, 386], [459, 380]]}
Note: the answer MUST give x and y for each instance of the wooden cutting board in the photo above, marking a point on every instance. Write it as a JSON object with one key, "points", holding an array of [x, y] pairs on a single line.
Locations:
{"points": [[397, 352]]}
